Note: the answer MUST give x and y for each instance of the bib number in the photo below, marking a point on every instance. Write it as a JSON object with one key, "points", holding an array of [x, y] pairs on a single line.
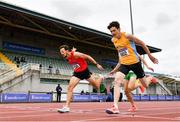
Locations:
{"points": [[75, 66], [123, 52]]}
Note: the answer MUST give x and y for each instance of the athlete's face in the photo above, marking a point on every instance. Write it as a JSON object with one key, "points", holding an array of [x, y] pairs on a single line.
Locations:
{"points": [[63, 52], [114, 31]]}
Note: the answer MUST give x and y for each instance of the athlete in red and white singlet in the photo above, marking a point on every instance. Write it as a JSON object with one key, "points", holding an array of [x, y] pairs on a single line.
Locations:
{"points": [[78, 64], [78, 61]]}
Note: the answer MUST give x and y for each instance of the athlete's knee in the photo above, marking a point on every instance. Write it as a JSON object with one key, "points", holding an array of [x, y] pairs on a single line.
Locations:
{"points": [[130, 88], [143, 82], [127, 91], [70, 88], [144, 85], [116, 84], [119, 76], [119, 80]]}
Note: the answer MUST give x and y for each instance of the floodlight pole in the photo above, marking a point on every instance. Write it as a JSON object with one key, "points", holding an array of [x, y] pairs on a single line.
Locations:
{"points": [[132, 28], [130, 7]]}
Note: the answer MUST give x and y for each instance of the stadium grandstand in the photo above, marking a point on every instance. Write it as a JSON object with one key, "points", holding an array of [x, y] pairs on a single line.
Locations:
{"points": [[29, 55]]}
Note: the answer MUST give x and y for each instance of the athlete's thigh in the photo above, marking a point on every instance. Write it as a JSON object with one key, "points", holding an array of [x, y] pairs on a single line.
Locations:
{"points": [[126, 82], [119, 77], [132, 81], [92, 79], [73, 81]]}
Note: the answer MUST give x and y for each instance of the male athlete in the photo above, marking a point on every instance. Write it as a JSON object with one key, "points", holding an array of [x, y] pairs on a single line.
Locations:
{"points": [[78, 61], [128, 60]]}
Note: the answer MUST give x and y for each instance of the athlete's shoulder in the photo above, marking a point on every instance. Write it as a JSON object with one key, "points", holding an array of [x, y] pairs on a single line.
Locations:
{"points": [[112, 39], [77, 53], [80, 55], [127, 35]]}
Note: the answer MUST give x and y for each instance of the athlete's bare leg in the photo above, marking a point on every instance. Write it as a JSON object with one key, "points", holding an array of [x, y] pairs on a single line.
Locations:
{"points": [[145, 81], [73, 82], [119, 79], [95, 82], [128, 87]]}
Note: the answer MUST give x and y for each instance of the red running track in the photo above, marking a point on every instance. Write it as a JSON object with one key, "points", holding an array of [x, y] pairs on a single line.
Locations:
{"points": [[90, 111]]}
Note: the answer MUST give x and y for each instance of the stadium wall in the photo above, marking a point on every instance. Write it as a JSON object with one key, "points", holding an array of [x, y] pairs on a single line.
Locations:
{"points": [[34, 84]]}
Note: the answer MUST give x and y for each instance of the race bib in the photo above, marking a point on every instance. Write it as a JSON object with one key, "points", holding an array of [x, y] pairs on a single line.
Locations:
{"points": [[123, 52], [75, 66]]}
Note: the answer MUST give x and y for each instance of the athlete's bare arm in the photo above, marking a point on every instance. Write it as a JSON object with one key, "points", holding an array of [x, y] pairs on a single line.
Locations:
{"points": [[88, 57], [145, 63], [115, 69], [141, 43]]}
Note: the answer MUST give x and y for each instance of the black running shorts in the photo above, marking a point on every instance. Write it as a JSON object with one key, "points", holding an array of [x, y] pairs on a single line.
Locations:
{"points": [[136, 68], [83, 75]]}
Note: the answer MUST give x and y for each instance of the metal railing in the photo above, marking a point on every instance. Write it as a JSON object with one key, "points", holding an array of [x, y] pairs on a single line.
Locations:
{"points": [[164, 87], [14, 72]]}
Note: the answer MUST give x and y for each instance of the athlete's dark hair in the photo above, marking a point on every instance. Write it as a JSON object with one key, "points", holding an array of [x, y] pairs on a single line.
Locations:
{"points": [[114, 24], [66, 47]]}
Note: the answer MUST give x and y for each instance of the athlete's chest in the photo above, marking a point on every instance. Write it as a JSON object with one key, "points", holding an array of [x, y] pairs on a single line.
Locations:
{"points": [[75, 63], [122, 46], [121, 43], [73, 60]]}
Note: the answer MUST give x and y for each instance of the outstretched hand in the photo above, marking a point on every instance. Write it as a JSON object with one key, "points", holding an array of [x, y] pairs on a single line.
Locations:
{"points": [[153, 59], [99, 67], [111, 73], [150, 69]]}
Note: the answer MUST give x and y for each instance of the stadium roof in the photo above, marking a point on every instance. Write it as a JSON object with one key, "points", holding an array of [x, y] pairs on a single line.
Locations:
{"points": [[21, 18]]}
